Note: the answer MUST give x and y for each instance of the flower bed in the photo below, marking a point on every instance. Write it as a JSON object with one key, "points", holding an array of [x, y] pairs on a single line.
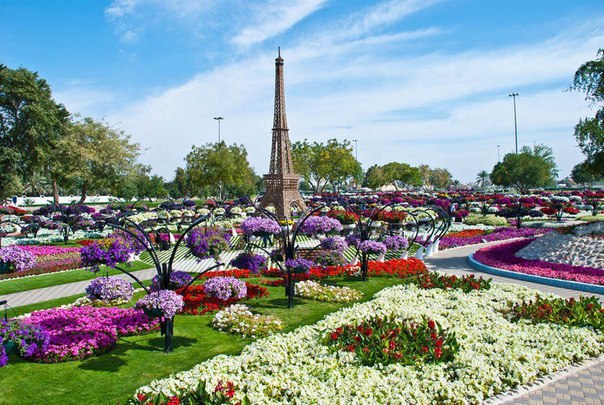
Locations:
{"points": [[495, 355], [502, 256], [452, 241], [328, 293], [198, 301], [80, 332], [239, 320]]}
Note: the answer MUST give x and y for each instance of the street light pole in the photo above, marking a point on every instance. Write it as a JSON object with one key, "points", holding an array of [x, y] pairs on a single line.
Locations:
{"points": [[356, 157], [218, 119], [498, 158], [515, 122]]}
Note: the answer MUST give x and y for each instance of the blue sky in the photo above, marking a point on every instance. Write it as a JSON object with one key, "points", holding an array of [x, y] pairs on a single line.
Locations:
{"points": [[413, 81]]}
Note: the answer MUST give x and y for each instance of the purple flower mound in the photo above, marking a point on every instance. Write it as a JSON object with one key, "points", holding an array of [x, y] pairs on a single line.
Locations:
{"points": [[81, 332], [502, 256], [448, 242], [259, 226], [109, 289], [249, 261], [178, 279], [336, 243], [299, 265], [167, 300], [27, 338], [225, 288], [19, 258], [371, 247], [321, 225], [396, 242]]}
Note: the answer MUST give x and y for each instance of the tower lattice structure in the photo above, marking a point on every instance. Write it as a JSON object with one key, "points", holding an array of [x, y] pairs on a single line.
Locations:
{"points": [[281, 182]]}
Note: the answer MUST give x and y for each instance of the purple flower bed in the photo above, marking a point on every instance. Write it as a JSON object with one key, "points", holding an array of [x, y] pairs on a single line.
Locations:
{"points": [[206, 243], [225, 288], [503, 257], [448, 242], [81, 332]]}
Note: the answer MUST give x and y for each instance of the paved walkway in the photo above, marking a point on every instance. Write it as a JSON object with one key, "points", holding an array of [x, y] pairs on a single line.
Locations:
{"points": [[584, 386]]}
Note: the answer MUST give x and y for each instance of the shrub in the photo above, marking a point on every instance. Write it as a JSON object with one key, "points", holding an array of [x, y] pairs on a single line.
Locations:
{"points": [[238, 319], [490, 220]]}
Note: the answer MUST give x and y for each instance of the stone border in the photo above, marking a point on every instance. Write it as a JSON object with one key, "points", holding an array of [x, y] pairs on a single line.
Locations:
{"points": [[554, 282], [542, 382]]}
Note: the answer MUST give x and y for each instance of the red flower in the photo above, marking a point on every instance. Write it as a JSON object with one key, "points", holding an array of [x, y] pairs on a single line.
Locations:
{"points": [[173, 401], [433, 336], [141, 397], [392, 345], [365, 349], [350, 348], [334, 336], [438, 352], [439, 343], [425, 349], [368, 332], [431, 324]]}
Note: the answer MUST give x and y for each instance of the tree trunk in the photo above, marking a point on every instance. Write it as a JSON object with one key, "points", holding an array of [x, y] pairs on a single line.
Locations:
{"points": [[84, 191], [55, 191]]}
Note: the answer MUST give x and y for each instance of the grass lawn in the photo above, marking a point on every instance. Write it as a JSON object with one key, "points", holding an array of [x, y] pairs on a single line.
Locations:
{"points": [[137, 360], [52, 279]]}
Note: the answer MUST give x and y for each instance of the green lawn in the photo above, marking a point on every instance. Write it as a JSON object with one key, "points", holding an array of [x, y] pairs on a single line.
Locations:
{"points": [[137, 360], [49, 280]]}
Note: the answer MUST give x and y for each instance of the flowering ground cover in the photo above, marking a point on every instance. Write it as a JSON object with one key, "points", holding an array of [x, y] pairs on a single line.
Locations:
{"points": [[136, 360], [495, 354], [469, 237], [501, 256]]}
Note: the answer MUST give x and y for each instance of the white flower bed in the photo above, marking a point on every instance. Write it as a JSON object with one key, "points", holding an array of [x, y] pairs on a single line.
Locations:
{"points": [[495, 355], [239, 320], [328, 293]]}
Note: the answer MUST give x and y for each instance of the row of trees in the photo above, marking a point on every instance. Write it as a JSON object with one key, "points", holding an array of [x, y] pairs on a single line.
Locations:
{"points": [[43, 146], [403, 175]]}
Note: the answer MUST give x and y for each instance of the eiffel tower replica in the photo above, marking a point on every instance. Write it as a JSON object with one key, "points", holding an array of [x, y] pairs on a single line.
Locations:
{"points": [[281, 182]]}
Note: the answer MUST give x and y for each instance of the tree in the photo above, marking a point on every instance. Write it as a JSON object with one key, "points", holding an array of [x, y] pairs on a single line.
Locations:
{"points": [[582, 174], [181, 185], [440, 178], [10, 182], [321, 164], [523, 171], [424, 172], [217, 166], [589, 132], [375, 178], [547, 154], [97, 156], [31, 122], [482, 178], [401, 175]]}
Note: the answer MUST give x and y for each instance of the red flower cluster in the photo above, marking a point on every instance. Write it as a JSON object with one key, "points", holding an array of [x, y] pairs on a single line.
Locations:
{"points": [[388, 341], [392, 217], [197, 302], [85, 242], [444, 282], [586, 311], [401, 268], [468, 233]]}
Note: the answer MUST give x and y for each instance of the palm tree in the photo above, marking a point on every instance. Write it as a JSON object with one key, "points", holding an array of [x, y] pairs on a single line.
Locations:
{"points": [[482, 177], [36, 184]]}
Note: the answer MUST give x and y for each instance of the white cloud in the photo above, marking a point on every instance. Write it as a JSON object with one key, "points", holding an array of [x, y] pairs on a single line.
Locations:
{"points": [[273, 18]]}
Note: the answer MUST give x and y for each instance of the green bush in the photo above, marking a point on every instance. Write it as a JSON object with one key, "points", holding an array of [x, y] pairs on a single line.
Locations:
{"points": [[591, 218]]}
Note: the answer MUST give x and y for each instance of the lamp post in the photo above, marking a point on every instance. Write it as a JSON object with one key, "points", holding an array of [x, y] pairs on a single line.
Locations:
{"points": [[515, 122], [498, 155], [355, 149], [218, 119]]}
